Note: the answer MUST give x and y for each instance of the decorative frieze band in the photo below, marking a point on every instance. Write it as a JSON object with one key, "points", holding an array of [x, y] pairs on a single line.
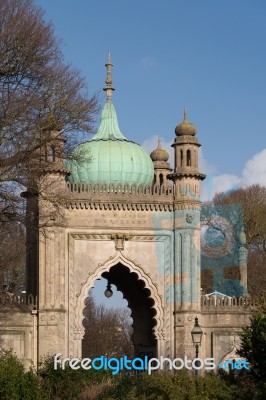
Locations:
{"points": [[115, 236], [87, 205], [124, 190], [83, 236]]}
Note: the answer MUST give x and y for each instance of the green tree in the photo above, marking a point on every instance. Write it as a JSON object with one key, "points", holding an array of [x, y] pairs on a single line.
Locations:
{"points": [[39, 94], [107, 331], [42, 100], [16, 383], [253, 201], [253, 342], [12, 256], [248, 208]]}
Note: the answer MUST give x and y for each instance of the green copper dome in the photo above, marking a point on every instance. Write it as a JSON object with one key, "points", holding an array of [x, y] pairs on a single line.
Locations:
{"points": [[109, 158]]}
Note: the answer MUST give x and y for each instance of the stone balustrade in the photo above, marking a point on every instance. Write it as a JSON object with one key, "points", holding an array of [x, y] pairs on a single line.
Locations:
{"points": [[226, 303]]}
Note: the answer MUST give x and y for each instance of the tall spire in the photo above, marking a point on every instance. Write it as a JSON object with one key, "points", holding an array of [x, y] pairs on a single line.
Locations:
{"points": [[108, 89]]}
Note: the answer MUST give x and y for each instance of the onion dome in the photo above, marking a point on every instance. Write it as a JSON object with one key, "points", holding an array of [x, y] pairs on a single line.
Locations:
{"points": [[185, 128], [159, 154], [109, 157]]}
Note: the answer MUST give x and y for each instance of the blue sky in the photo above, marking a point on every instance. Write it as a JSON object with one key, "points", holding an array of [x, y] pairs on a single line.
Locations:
{"points": [[207, 55]]}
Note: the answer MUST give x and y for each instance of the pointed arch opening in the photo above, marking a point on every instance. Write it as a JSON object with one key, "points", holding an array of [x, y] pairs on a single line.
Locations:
{"points": [[143, 300]]}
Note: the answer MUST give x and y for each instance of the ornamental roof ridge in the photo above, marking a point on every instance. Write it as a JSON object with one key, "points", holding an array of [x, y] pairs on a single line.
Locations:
{"points": [[121, 189]]}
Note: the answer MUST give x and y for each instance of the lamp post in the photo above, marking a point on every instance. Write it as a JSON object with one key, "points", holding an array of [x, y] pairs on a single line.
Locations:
{"points": [[196, 334], [108, 291]]}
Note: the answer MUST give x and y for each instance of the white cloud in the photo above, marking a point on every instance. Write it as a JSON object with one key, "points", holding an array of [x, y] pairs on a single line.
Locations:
{"points": [[204, 166], [255, 170], [225, 182]]}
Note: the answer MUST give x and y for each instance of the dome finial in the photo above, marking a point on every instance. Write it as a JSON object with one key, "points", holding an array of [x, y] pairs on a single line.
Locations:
{"points": [[185, 128], [185, 114], [108, 89], [159, 142]]}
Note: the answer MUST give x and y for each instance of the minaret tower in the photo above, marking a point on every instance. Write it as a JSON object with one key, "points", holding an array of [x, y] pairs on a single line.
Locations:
{"points": [[186, 178], [162, 168]]}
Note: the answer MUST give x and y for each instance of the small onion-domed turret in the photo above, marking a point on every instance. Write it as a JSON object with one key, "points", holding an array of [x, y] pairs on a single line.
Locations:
{"points": [[185, 128], [161, 166], [159, 154]]}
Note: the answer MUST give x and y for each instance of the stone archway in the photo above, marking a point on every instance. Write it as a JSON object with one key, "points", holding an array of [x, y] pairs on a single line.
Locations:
{"points": [[153, 302]]}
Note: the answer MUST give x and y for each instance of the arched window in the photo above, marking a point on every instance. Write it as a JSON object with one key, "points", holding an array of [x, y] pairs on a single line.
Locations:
{"points": [[188, 158], [161, 179], [52, 154], [181, 158]]}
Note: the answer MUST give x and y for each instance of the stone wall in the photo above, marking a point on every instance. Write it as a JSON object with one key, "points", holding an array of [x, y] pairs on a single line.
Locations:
{"points": [[18, 327]]}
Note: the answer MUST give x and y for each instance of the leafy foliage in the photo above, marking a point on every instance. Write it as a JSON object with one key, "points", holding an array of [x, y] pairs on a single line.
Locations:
{"points": [[244, 206], [67, 383], [39, 95], [163, 386], [43, 101], [50, 384], [253, 343], [15, 383]]}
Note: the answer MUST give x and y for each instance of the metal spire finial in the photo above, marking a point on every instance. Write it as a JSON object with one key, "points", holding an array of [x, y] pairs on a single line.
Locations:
{"points": [[159, 142], [185, 114], [109, 89]]}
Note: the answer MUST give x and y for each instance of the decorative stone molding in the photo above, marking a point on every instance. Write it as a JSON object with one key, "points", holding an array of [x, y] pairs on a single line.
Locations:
{"points": [[110, 197], [188, 205], [189, 218], [82, 236], [160, 333], [94, 205], [79, 332], [121, 190], [147, 238], [119, 239], [51, 317]]}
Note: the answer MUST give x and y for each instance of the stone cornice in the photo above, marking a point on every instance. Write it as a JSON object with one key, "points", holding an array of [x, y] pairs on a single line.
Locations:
{"points": [[100, 205], [186, 174], [149, 198], [77, 190]]}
